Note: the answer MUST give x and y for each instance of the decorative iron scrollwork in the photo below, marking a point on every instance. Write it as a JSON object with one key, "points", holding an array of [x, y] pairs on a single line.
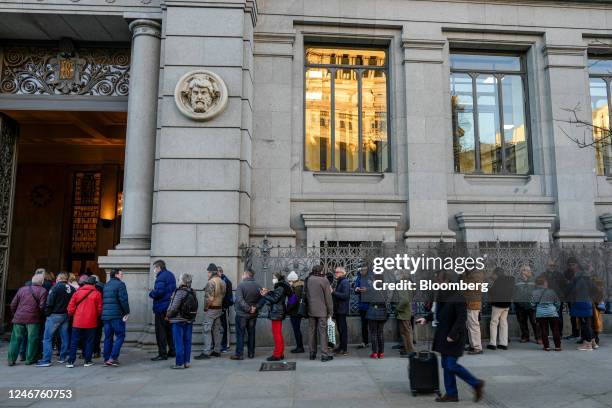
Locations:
{"points": [[65, 70]]}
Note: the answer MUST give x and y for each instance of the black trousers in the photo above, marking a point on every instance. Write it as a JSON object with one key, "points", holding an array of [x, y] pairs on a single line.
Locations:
{"points": [[163, 335], [343, 330], [98, 338], [364, 326], [377, 329], [224, 328], [525, 316], [586, 328]]}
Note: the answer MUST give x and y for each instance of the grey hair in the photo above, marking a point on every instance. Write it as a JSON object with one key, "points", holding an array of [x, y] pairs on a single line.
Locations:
{"points": [[185, 279], [38, 279]]}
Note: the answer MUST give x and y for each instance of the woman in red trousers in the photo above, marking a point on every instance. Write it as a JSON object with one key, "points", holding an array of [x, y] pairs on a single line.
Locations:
{"points": [[275, 299]]}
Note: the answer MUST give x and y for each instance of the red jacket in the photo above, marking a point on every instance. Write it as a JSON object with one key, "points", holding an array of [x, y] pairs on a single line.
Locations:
{"points": [[89, 310]]}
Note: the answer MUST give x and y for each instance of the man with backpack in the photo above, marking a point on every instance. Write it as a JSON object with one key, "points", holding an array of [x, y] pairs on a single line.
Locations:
{"points": [[181, 314], [85, 307], [115, 312]]}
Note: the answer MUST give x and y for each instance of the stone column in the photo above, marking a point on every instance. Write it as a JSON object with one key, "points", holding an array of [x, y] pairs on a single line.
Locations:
{"points": [[574, 168], [427, 148], [133, 254], [140, 140]]}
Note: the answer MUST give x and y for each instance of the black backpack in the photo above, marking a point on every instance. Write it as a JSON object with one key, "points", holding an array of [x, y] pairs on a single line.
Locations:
{"points": [[189, 306]]}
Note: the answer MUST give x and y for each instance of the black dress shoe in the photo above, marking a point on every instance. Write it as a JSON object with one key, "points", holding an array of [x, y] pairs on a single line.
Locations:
{"points": [[215, 354], [159, 358], [236, 357], [202, 356], [297, 350], [502, 347], [172, 354], [326, 358], [251, 355], [273, 358], [313, 356]]}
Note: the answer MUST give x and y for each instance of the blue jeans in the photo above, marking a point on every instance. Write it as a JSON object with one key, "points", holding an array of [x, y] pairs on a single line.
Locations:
{"points": [[245, 326], [181, 335], [451, 369], [54, 323], [114, 335], [88, 336]]}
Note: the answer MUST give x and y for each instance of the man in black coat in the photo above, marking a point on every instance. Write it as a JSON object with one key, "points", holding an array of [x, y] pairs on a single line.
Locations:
{"points": [[449, 339]]}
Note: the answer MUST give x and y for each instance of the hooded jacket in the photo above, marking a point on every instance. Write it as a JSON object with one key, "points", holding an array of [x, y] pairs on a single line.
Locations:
{"points": [[86, 307], [59, 298], [275, 299]]}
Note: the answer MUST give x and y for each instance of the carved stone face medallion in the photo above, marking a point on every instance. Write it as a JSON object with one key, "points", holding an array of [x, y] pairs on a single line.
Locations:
{"points": [[200, 95]]}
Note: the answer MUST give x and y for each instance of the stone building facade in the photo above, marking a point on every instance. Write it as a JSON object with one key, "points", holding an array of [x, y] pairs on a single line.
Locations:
{"points": [[360, 120]]}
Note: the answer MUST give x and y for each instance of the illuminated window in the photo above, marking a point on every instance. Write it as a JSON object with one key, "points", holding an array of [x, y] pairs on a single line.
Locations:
{"points": [[489, 99], [600, 73], [346, 110]]}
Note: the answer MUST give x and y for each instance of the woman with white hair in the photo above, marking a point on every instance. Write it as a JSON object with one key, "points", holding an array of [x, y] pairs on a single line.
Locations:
{"points": [[27, 308], [181, 313]]}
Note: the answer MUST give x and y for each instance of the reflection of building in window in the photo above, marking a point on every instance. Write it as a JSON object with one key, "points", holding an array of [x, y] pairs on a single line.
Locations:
{"points": [[600, 72], [488, 100], [346, 110]]}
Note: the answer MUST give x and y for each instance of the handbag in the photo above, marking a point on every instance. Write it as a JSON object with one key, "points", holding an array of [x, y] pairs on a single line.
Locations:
{"points": [[377, 312], [302, 309], [331, 331]]}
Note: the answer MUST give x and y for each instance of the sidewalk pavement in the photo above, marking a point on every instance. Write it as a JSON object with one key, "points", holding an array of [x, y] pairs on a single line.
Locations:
{"points": [[521, 377]]}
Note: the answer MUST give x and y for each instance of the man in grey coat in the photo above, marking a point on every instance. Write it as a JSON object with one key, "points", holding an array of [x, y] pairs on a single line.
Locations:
{"points": [[248, 294], [320, 308]]}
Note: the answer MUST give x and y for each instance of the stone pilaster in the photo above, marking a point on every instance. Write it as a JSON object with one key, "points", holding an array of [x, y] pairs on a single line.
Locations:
{"points": [[574, 168], [427, 148], [132, 254]]}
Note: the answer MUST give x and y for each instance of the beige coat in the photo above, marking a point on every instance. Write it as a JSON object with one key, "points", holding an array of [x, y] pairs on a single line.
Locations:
{"points": [[320, 302]]}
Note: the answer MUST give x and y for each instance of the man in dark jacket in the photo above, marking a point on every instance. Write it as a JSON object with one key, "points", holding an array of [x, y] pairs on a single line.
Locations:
{"points": [[165, 284], [341, 295], [57, 320], [228, 301], [320, 308], [27, 308], [360, 288], [248, 294], [115, 311], [449, 339]]}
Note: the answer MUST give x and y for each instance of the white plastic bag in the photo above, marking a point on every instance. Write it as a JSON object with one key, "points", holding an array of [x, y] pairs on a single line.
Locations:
{"points": [[331, 331]]}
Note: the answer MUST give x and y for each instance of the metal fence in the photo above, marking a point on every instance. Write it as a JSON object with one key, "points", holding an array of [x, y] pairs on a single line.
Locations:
{"points": [[266, 258]]}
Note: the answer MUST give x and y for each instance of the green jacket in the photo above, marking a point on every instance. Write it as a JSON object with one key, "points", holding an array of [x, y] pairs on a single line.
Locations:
{"points": [[404, 306]]}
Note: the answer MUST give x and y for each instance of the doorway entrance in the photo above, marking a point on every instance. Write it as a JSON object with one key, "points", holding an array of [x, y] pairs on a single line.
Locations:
{"points": [[66, 192]]}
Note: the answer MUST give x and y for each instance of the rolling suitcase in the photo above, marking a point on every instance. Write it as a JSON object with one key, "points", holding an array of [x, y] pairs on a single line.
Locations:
{"points": [[423, 373]]}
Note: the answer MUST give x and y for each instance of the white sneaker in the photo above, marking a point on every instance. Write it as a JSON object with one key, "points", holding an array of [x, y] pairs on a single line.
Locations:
{"points": [[70, 365], [88, 364], [586, 347], [594, 345]]}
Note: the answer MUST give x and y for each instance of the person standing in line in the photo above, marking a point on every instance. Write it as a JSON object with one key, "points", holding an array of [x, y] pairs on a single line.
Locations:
{"points": [[97, 351], [214, 293], [85, 307], [165, 284], [115, 313], [500, 297], [474, 304], [181, 314], [27, 308], [275, 299], [558, 284], [580, 291], [228, 301], [320, 308], [377, 316], [449, 339], [547, 312], [248, 294], [525, 310], [403, 314], [360, 289], [293, 304], [570, 273], [57, 320], [341, 295]]}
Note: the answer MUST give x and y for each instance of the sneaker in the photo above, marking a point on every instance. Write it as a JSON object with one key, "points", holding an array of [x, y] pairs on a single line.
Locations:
{"points": [[381, 355], [502, 347], [159, 358], [374, 355], [546, 348], [43, 364], [273, 358], [225, 350], [558, 349], [326, 358], [188, 365], [585, 347], [202, 356], [88, 364], [297, 350], [112, 363], [492, 347], [215, 354], [69, 365], [178, 367], [594, 345], [61, 361]]}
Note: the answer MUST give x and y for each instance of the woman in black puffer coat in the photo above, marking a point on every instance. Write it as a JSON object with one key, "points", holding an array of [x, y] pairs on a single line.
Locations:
{"points": [[275, 299]]}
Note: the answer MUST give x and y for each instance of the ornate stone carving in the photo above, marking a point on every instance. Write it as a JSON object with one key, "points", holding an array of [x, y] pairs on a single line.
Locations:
{"points": [[65, 70], [201, 95]]}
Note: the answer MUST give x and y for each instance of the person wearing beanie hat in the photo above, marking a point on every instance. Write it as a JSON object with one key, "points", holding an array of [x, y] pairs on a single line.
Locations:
{"points": [[293, 305], [292, 277], [214, 293]]}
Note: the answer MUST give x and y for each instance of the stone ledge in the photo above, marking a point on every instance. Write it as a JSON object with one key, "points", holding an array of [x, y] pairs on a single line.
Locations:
{"points": [[505, 220], [507, 179], [324, 177]]}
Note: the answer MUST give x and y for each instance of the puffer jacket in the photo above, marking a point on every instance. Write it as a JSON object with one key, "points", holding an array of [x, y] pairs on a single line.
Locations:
{"points": [[28, 305], [165, 284], [275, 299], [174, 310], [115, 303], [86, 307]]}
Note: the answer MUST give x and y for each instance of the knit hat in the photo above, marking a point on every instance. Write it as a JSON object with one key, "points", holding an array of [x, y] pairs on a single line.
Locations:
{"points": [[82, 279], [292, 277], [212, 268], [91, 280]]}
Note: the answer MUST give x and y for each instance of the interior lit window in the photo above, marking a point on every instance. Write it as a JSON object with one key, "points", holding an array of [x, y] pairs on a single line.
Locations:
{"points": [[346, 110], [488, 99], [600, 73]]}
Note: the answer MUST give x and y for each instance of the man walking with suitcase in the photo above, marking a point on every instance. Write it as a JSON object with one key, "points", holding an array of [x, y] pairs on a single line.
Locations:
{"points": [[449, 339]]}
